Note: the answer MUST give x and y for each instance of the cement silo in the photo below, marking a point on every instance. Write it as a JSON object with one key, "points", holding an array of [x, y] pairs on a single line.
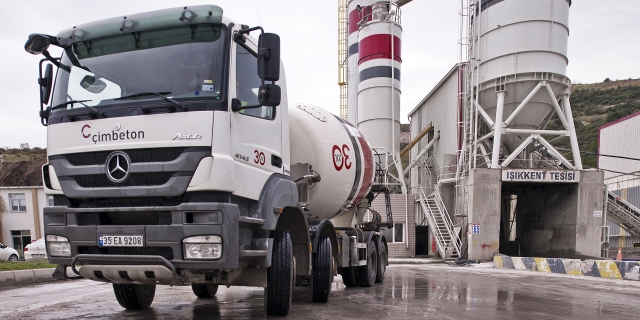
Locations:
{"points": [[379, 61], [518, 77]]}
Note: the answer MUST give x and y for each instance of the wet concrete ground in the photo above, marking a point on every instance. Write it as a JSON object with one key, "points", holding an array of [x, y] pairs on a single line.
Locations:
{"points": [[409, 292]]}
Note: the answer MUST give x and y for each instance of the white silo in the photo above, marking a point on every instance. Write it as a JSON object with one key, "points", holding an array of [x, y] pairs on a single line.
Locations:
{"points": [[518, 76], [354, 17], [379, 62]]}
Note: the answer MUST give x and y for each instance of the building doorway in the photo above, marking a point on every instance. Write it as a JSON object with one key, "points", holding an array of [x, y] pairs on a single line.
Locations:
{"points": [[21, 238], [422, 240]]}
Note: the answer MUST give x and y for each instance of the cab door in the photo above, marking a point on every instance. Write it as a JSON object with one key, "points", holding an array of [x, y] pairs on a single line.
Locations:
{"points": [[256, 134]]}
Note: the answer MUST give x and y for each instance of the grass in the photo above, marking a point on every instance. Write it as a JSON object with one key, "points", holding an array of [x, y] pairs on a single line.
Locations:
{"points": [[25, 265]]}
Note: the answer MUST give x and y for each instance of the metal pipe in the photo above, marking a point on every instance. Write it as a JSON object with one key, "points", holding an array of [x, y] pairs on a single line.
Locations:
{"points": [[484, 115], [534, 131], [416, 139], [486, 136], [575, 150], [523, 103], [421, 154], [519, 149], [555, 104], [555, 152], [495, 157]]}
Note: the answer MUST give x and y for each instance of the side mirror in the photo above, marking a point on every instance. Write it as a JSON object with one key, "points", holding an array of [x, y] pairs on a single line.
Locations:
{"points": [[270, 95], [46, 84], [269, 57], [38, 43]]}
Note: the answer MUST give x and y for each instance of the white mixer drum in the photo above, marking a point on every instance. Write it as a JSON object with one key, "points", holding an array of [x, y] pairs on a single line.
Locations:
{"points": [[338, 152]]}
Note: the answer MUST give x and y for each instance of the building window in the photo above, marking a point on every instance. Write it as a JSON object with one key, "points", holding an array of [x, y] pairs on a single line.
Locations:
{"points": [[50, 201], [21, 238], [18, 202], [395, 234]]}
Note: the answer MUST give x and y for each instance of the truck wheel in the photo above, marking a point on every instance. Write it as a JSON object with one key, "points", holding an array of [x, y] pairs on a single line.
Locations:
{"points": [[322, 272], [366, 275], [280, 275], [134, 296], [204, 291], [382, 264], [349, 277]]}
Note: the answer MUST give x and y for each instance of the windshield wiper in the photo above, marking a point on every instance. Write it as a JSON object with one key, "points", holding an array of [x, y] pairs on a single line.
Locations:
{"points": [[92, 111], [181, 106], [64, 104]]}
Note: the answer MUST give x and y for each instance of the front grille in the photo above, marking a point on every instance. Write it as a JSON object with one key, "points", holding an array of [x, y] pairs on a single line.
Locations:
{"points": [[129, 218], [136, 155], [166, 252], [134, 180]]}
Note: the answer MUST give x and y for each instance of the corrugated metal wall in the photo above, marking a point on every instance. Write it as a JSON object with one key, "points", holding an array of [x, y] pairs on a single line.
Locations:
{"points": [[398, 250], [620, 139]]}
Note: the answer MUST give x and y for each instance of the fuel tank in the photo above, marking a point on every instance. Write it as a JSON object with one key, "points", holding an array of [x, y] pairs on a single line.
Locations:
{"points": [[338, 152]]}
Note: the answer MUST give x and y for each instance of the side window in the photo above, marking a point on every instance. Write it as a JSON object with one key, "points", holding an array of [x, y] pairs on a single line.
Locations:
{"points": [[248, 83]]}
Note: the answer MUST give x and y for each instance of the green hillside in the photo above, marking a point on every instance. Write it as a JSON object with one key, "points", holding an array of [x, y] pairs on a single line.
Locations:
{"points": [[594, 105]]}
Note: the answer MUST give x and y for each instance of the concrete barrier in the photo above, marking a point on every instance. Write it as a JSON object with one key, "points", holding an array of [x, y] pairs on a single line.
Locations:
{"points": [[7, 278], [24, 277], [623, 270], [30, 277]]}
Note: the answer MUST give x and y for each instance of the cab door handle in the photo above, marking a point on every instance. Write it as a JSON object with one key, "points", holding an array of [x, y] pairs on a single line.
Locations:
{"points": [[276, 161]]}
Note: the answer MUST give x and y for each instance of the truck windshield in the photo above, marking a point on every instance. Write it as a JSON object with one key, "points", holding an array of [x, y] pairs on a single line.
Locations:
{"points": [[183, 62]]}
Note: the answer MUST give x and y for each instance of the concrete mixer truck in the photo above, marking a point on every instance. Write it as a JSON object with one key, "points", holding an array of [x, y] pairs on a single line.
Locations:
{"points": [[173, 159]]}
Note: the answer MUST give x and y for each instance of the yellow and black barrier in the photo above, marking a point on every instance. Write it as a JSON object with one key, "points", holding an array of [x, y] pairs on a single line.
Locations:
{"points": [[625, 270]]}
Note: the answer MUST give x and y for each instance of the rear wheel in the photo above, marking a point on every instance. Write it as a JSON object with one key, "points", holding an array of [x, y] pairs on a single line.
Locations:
{"points": [[280, 275], [349, 277], [382, 263], [13, 258], [322, 272], [366, 275], [134, 296], [204, 291]]}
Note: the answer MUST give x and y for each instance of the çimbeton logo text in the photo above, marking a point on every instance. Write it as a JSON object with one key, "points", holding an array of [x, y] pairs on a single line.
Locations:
{"points": [[114, 135]]}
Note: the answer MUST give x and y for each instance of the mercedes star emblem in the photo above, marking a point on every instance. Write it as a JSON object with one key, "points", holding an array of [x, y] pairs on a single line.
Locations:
{"points": [[118, 166]]}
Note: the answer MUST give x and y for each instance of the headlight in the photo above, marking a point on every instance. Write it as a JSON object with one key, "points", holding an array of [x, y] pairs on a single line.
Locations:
{"points": [[58, 246], [203, 247]]}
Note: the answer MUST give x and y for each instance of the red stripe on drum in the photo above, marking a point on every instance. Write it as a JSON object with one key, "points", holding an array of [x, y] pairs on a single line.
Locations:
{"points": [[367, 168], [378, 46]]}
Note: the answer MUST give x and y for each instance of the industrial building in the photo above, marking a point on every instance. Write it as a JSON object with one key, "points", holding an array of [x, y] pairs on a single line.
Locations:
{"points": [[622, 178], [484, 174]]}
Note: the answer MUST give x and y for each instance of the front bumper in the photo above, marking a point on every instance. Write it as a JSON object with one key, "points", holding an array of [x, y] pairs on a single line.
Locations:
{"points": [[164, 240]]}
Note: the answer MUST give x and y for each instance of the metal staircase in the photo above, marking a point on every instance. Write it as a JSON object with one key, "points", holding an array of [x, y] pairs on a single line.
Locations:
{"points": [[440, 224], [626, 214]]}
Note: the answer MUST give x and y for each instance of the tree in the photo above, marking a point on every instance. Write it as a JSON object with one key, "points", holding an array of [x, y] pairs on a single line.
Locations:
{"points": [[3, 207]]}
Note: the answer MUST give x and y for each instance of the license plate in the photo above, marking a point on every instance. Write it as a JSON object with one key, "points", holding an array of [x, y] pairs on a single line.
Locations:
{"points": [[37, 256], [120, 241]]}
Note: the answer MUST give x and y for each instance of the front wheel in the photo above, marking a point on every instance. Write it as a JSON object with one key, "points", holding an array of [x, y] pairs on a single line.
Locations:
{"points": [[204, 291], [13, 258], [134, 296]]}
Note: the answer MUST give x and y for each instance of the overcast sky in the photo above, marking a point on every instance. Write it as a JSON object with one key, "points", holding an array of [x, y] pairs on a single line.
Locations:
{"points": [[603, 43]]}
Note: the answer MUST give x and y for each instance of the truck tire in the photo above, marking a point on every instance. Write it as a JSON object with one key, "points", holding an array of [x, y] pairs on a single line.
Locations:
{"points": [[382, 263], [204, 291], [280, 275], [349, 277], [322, 272], [134, 296], [366, 275]]}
